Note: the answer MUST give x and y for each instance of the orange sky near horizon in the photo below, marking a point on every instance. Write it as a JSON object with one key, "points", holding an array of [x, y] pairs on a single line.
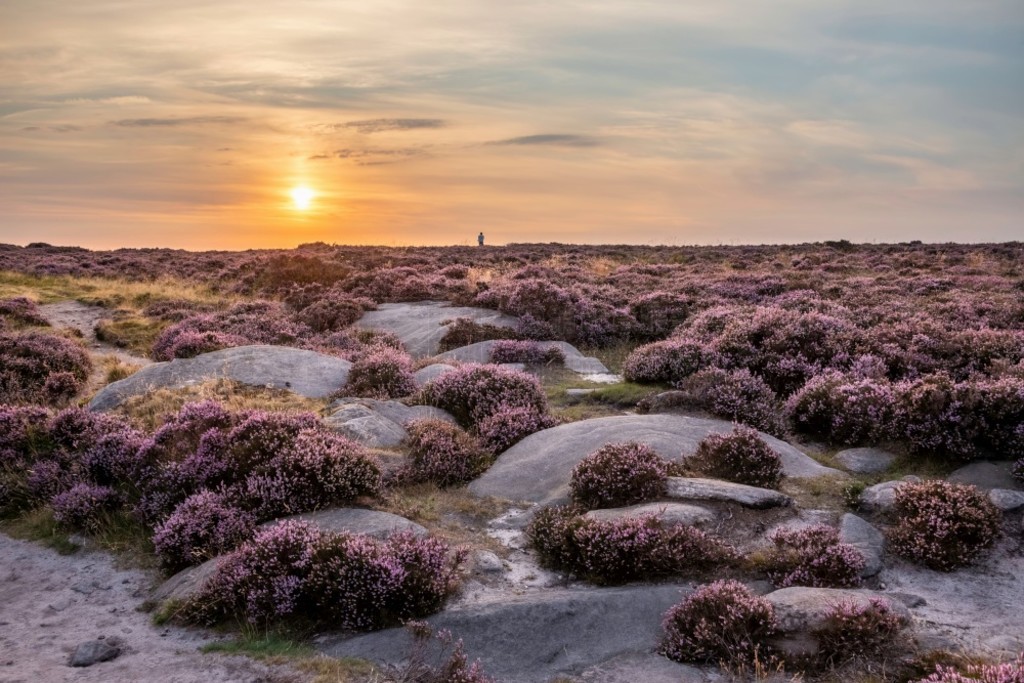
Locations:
{"points": [[188, 124]]}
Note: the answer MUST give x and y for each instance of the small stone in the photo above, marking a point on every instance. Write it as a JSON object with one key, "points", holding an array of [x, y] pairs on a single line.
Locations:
{"points": [[866, 539], [881, 497], [1006, 500], [865, 460], [488, 562], [695, 488], [92, 652]]}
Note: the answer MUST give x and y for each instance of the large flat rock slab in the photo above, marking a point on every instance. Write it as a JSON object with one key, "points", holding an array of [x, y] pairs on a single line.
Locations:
{"points": [[379, 424], [419, 325], [537, 469], [987, 475], [375, 523], [696, 488], [307, 373], [480, 352], [535, 637]]}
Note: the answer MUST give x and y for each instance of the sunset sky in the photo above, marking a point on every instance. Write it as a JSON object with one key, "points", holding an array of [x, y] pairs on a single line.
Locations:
{"points": [[192, 124]]}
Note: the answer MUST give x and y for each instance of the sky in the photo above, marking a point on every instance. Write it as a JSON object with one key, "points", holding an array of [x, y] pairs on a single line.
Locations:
{"points": [[190, 124]]}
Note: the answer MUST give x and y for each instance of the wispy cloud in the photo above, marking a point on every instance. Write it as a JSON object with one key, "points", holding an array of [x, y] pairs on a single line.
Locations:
{"points": [[555, 139], [186, 121], [381, 125]]}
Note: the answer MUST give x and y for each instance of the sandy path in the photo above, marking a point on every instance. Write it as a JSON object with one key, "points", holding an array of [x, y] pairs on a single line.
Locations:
{"points": [[82, 317], [50, 603]]}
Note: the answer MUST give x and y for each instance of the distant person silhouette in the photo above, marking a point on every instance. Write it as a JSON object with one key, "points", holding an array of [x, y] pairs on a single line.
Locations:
{"points": [[480, 240]]}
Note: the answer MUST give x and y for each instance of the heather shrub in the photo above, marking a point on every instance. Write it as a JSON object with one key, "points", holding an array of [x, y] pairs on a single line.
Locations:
{"points": [[41, 368], [23, 434], [658, 313], [352, 582], [843, 410], [84, 506], [524, 351], [935, 415], [853, 630], [330, 314], [943, 525], [617, 475], [472, 393], [618, 551], [382, 373], [1002, 402], [452, 663], [719, 622], [509, 425], [203, 526], [671, 360], [812, 556], [189, 344], [735, 395], [21, 310], [444, 454], [1007, 672], [466, 331], [741, 456]]}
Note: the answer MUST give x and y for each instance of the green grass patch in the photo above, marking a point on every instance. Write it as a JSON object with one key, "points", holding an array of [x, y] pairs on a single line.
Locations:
{"points": [[263, 644], [623, 394], [39, 526]]}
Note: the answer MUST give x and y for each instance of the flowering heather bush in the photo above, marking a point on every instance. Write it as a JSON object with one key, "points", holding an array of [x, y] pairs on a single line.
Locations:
{"points": [[111, 459], [813, 556], [507, 426], [41, 368], [22, 311], [735, 395], [189, 344], [719, 622], [1007, 672], [1002, 403], [83, 506], [936, 415], [522, 351], [472, 393], [843, 410], [203, 526], [617, 475], [383, 373], [351, 582], [257, 322], [852, 630], [618, 551], [331, 314], [671, 360], [466, 331], [453, 665], [741, 456], [23, 434], [658, 313], [943, 525], [444, 454]]}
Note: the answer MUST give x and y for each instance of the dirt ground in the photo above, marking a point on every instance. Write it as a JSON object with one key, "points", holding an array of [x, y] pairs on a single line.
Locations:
{"points": [[49, 604]]}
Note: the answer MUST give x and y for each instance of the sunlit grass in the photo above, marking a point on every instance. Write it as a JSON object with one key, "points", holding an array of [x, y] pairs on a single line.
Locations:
{"points": [[103, 291]]}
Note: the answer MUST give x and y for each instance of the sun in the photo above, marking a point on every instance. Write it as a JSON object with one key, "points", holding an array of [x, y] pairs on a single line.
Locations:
{"points": [[302, 197]]}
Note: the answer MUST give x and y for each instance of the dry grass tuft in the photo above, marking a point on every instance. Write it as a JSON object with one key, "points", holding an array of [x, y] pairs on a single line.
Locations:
{"points": [[151, 410]]}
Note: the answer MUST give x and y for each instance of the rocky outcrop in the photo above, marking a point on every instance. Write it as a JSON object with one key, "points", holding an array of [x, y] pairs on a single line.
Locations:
{"points": [[537, 469], [307, 373], [378, 424], [865, 460], [480, 352], [692, 488], [868, 540], [375, 523], [420, 325], [881, 497], [668, 513]]}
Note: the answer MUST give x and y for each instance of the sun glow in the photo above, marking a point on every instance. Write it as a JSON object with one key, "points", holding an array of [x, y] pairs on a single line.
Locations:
{"points": [[302, 197]]}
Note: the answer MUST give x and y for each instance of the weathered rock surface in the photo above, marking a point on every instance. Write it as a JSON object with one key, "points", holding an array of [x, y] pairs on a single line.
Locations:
{"points": [[187, 583], [987, 475], [668, 513], [307, 373], [538, 468], [881, 497], [419, 325], [1006, 500], [693, 488], [801, 610], [93, 652], [865, 460], [431, 372], [647, 668], [374, 523], [866, 539], [480, 352], [535, 637], [378, 424]]}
